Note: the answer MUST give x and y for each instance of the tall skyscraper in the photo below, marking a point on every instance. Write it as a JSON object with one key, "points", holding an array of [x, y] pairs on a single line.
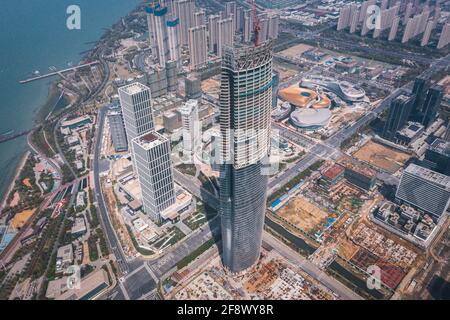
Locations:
{"points": [[420, 89], [431, 105], [245, 107], [191, 127], [184, 10], [151, 154], [355, 21], [408, 12], [173, 26], [198, 47], [213, 31], [136, 103], [117, 130], [425, 189], [199, 18], [230, 9], [427, 33], [248, 26], [274, 22], [444, 39], [344, 18], [157, 17], [398, 115], [394, 29], [226, 35]]}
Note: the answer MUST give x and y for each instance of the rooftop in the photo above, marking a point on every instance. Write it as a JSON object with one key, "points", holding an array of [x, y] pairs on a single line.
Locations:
{"points": [[150, 140], [358, 167], [441, 146], [134, 88], [411, 129], [332, 172], [429, 175]]}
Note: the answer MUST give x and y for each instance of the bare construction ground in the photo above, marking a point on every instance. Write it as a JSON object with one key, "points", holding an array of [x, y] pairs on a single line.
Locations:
{"points": [[382, 157], [296, 51], [303, 214], [211, 87]]}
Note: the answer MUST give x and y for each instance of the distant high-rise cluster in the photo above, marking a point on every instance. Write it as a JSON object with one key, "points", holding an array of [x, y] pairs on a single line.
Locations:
{"points": [[173, 24], [421, 107], [391, 16], [163, 33]]}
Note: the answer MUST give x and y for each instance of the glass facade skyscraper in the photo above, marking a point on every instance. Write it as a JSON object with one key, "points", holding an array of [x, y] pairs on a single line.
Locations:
{"points": [[245, 108]]}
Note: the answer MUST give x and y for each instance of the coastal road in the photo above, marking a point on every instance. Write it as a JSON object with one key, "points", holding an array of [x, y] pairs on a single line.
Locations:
{"points": [[98, 195]]}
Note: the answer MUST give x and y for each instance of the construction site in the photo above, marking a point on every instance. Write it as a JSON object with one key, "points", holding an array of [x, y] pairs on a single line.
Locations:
{"points": [[273, 278], [383, 157]]}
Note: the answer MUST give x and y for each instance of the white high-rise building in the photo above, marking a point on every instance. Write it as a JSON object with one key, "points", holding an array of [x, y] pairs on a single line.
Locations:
{"points": [[394, 29], [173, 28], [213, 31], [248, 26], [444, 39], [344, 18], [199, 18], [198, 47], [386, 21], [191, 127], [408, 13], [184, 10], [136, 103], [274, 22], [355, 21], [264, 32], [230, 9], [427, 33], [151, 154], [226, 36]]}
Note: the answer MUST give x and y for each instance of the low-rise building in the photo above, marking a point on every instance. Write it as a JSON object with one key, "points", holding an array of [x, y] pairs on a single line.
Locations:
{"points": [[64, 258]]}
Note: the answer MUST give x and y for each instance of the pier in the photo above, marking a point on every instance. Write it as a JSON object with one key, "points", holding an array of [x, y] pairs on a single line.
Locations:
{"points": [[17, 135], [58, 73]]}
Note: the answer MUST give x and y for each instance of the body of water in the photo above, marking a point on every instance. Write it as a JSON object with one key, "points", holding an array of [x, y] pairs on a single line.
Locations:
{"points": [[34, 37]]}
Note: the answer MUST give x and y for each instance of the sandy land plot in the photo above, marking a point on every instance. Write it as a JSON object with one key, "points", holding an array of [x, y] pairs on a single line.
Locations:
{"points": [[21, 218], [347, 249], [295, 51], [303, 214], [210, 86], [382, 157]]}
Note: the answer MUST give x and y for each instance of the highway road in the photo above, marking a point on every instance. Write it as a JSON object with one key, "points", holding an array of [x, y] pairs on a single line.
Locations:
{"points": [[98, 195]]}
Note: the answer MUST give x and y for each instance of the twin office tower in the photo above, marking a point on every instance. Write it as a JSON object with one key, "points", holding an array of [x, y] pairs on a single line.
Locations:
{"points": [[245, 107]]}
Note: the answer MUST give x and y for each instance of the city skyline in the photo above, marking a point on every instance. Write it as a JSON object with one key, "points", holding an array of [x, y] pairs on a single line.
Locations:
{"points": [[230, 150]]}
